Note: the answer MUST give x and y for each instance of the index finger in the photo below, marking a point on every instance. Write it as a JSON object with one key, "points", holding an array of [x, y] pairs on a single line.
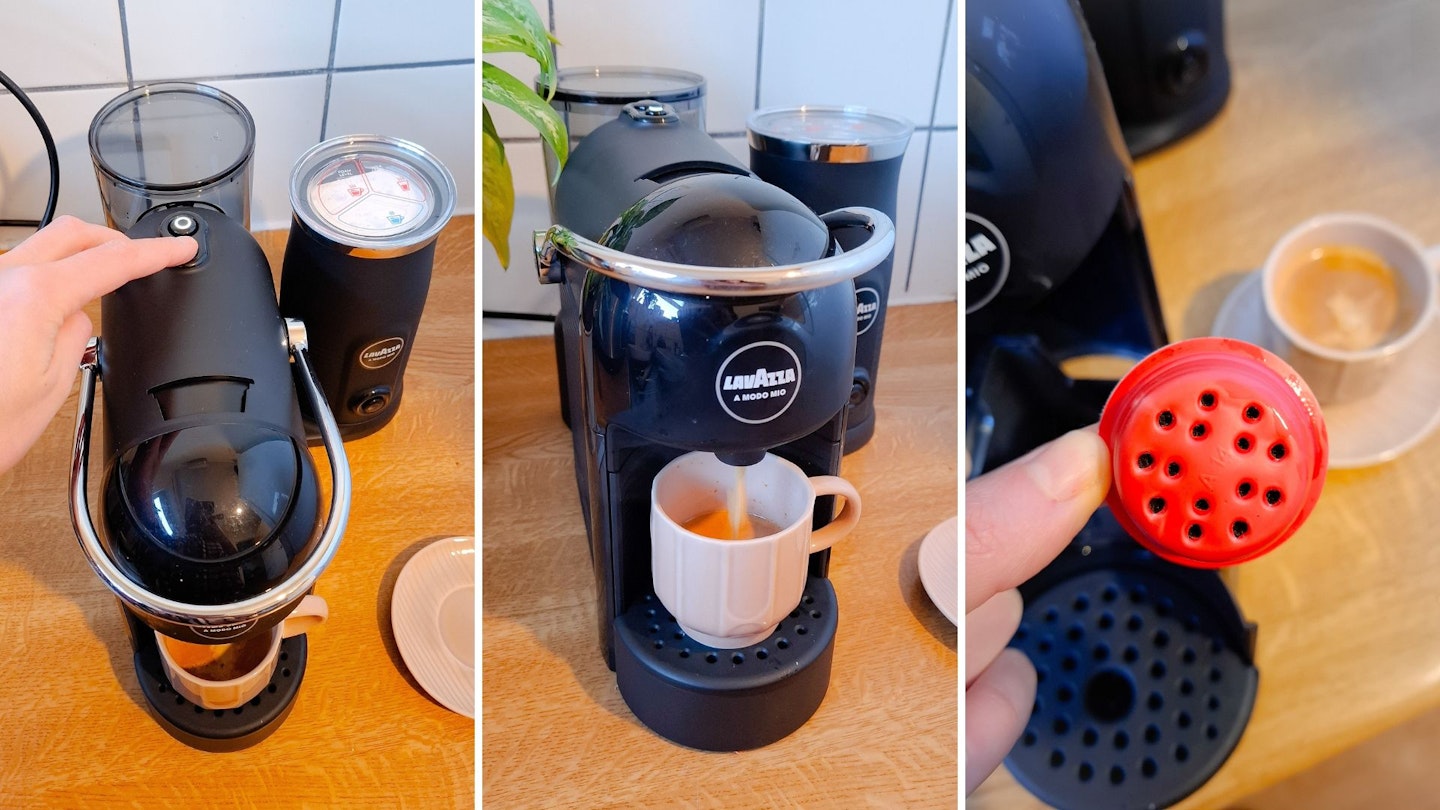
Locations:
{"points": [[1020, 517], [66, 236], [75, 281]]}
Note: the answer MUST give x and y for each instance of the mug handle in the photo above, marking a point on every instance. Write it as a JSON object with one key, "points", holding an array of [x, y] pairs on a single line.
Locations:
{"points": [[310, 613], [843, 522]]}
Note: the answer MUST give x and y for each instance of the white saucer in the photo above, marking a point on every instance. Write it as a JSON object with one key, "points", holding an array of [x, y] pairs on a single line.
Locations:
{"points": [[940, 567], [433, 614], [1376, 429]]}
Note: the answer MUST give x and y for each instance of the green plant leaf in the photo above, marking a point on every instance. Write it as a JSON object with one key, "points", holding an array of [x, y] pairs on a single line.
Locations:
{"points": [[513, 26], [497, 204], [500, 87]]}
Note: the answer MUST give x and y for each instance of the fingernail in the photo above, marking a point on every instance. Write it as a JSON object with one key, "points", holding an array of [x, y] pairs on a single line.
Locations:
{"points": [[1068, 466]]}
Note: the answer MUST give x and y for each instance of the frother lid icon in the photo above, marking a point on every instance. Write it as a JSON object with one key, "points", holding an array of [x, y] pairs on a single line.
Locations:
{"points": [[1218, 452]]}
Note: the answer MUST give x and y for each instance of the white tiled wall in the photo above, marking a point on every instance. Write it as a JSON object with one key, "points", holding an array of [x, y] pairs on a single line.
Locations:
{"points": [[306, 69], [899, 57]]}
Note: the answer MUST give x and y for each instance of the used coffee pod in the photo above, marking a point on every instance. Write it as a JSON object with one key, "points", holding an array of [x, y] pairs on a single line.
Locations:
{"points": [[1218, 452]]}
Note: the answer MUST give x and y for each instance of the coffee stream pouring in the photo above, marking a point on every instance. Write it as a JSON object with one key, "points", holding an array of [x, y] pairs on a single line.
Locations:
{"points": [[211, 528], [701, 310]]}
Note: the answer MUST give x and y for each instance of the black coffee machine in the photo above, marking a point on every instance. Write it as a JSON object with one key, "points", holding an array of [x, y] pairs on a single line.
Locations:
{"points": [[212, 530], [1147, 674], [701, 310], [1055, 259], [211, 527]]}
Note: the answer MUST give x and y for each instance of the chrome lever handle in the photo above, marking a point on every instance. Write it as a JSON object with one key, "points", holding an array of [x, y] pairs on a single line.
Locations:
{"points": [[723, 281]]}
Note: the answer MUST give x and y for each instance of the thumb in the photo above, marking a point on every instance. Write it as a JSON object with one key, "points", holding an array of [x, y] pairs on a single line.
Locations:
{"points": [[1020, 517]]}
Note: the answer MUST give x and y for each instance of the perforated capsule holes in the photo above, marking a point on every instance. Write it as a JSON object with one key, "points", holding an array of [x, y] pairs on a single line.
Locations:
{"points": [[1218, 452], [1138, 701]]}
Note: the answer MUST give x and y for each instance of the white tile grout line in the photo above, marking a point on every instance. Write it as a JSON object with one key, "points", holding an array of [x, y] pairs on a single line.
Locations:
{"points": [[929, 143], [273, 74], [759, 55], [554, 53], [330, 72], [125, 46]]}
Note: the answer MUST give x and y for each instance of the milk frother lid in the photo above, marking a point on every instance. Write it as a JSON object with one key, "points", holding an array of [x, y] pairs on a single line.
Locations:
{"points": [[825, 134], [372, 195], [173, 136]]}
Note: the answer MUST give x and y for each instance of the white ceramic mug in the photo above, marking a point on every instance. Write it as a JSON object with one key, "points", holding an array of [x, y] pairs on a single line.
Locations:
{"points": [[1338, 375], [232, 692], [733, 593]]}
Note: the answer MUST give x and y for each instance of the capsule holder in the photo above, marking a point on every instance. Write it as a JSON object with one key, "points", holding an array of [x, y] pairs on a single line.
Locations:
{"points": [[1145, 678], [1218, 452]]}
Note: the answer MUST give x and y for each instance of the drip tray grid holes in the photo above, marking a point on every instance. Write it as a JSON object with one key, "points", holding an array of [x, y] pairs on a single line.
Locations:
{"points": [[800, 636], [1141, 706]]}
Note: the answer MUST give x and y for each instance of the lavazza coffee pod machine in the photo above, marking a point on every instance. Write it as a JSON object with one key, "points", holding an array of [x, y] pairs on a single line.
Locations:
{"points": [[1146, 665], [702, 310], [210, 523]]}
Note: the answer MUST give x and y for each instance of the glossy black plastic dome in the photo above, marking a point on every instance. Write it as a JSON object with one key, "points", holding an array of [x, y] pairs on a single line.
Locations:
{"points": [[720, 220], [213, 513]]}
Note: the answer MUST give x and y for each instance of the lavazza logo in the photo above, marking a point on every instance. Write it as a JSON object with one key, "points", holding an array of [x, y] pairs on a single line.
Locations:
{"points": [[987, 262], [224, 631], [758, 382], [867, 308], [381, 353]]}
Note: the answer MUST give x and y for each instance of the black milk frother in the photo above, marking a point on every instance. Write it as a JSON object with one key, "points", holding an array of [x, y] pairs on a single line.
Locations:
{"points": [[831, 157], [368, 211]]}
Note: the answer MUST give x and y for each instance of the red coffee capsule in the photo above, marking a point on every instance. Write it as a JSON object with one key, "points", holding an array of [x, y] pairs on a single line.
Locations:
{"points": [[1218, 452]]}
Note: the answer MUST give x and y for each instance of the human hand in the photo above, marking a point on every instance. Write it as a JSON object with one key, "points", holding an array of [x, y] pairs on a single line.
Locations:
{"points": [[1018, 518], [44, 284]]}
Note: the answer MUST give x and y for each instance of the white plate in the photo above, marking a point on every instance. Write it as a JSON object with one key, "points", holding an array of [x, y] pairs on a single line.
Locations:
{"points": [[940, 567], [433, 614], [1376, 429]]}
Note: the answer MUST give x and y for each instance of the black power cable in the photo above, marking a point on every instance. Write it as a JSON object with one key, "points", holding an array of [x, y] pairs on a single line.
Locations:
{"points": [[50, 155]]}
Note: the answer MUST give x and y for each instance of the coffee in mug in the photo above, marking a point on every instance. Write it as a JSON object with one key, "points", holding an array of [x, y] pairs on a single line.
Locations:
{"points": [[217, 662], [1341, 296], [728, 594], [1347, 295], [224, 676], [719, 525]]}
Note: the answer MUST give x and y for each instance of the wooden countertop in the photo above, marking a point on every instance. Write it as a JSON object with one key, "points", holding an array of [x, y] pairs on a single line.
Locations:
{"points": [[556, 731], [362, 733], [1334, 106]]}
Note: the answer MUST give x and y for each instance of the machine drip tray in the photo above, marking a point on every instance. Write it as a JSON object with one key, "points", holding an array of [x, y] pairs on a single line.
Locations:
{"points": [[220, 730], [726, 700]]}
